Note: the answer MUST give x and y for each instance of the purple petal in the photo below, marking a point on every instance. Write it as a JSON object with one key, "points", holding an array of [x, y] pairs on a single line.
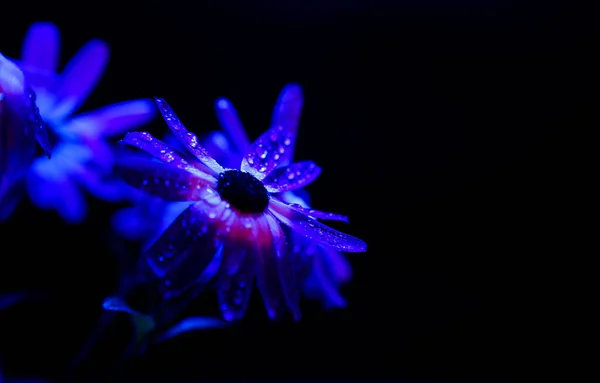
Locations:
{"points": [[267, 150], [267, 270], [287, 114], [189, 139], [319, 214], [71, 205], [189, 325], [41, 47], [315, 230], [287, 269], [180, 255], [294, 176], [158, 149], [230, 122], [114, 119], [158, 179], [11, 192], [221, 149], [235, 281], [80, 77], [320, 284]]}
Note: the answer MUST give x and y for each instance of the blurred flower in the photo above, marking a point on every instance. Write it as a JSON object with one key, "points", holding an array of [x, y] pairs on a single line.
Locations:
{"points": [[233, 215], [20, 126], [82, 158]]}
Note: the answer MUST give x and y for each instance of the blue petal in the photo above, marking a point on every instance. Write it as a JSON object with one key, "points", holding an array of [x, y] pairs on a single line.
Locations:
{"points": [[190, 325]]}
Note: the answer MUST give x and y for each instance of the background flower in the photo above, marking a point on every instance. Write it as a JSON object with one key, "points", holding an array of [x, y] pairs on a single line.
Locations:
{"points": [[82, 156], [20, 127]]}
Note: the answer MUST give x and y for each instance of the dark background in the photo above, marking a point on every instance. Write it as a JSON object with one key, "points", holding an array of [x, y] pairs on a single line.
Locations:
{"points": [[440, 132]]}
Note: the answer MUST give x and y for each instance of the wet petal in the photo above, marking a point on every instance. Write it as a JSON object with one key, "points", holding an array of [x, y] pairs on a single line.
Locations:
{"points": [[288, 274], [267, 270], [236, 276], [267, 150], [41, 47], [292, 177], [113, 119], [287, 114], [230, 122], [79, 78], [158, 179], [158, 149], [181, 254], [319, 214], [315, 230], [189, 139]]}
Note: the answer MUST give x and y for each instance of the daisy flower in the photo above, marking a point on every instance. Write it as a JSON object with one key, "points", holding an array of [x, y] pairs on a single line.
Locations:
{"points": [[235, 216], [329, 268], [82, 158], [20, 127]]}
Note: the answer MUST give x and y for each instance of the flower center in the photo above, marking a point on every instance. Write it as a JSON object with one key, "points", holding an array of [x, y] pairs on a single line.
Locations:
{"points": [[243, 191]]}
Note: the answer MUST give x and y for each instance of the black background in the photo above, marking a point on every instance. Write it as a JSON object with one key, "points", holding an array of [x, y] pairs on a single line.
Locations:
{"points": [[440, 132]]}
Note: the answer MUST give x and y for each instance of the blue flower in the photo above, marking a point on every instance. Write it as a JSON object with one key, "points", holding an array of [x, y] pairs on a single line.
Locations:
{"points": [[329, 268], [20, 127], [235, 215], [82, 159]]}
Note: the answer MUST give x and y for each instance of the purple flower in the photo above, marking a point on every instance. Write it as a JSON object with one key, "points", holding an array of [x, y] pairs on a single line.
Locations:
{"points": [[20, 127], [82, 158], [235, 216], [329, 268]]}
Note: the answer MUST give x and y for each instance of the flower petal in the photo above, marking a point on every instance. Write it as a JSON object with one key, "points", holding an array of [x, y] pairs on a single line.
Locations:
{"points": [[79, 78], [287, 114], [41, 47], [315, 230], [235, 281], [222, 150], [288, 274], [294, 176], [319, 214], [267, 150], [113, 119], [267, 271], [321, 284], [190, 325], [158, 149], [180, 255], [189, 139], [230, 122], [158, 179]]}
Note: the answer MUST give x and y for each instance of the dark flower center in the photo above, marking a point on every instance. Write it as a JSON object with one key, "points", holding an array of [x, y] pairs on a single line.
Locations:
{"points": [[243, 191]]}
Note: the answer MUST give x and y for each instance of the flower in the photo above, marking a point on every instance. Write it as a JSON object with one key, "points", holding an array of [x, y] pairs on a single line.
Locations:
{"points": [[82, 158], [20, 127], [235, 215], [329, 268]]}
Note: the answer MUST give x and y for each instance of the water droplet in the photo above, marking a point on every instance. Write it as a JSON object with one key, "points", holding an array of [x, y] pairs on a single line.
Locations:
{"points": [[250, 160], [212, 215], [281, 150], [276, 157], [168, 157], [311, 224], [291, 176], [262, 169], [287, 142], [146, 136], [191, 139], [263, 155]]}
